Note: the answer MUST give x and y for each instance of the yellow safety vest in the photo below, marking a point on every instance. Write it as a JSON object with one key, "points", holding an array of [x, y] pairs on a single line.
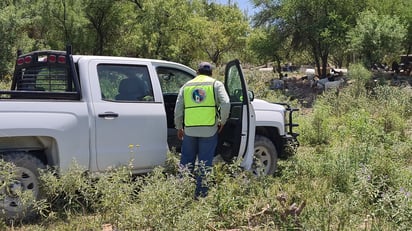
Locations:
{"points": [[199, 101]]}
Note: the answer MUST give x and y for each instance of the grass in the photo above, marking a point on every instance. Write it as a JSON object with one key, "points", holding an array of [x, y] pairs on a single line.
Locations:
{"points": [[352, 172]]}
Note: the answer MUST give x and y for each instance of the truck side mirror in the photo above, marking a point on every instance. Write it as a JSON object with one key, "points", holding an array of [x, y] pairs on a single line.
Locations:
{"points": [[251, 95]]}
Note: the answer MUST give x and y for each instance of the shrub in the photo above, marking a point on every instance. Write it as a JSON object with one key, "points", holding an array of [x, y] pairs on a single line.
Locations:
{"points": [[65, 193], [361, 77], [315, 128]]}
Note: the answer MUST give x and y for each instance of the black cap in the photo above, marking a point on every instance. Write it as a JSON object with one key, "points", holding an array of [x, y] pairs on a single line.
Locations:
{"points": [[205, 66]]}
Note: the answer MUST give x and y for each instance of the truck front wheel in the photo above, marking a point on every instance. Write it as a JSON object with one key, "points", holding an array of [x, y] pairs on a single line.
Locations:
{"points": [[24, 179], [266, 157]]}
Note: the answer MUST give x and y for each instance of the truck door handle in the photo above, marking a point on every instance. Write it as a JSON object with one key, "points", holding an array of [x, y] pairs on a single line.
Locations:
{"points": [[108, 115]]}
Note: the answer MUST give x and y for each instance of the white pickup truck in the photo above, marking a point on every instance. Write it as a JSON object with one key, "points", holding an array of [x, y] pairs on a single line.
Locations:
{"points": [[105, 111]]}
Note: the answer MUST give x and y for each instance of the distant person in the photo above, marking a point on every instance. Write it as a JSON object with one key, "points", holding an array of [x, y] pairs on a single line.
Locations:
{"points": [[201, 111], [395, 67]]}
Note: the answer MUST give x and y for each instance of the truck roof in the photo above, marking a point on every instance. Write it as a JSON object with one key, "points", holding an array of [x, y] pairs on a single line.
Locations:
{"points": [[156, 62]]}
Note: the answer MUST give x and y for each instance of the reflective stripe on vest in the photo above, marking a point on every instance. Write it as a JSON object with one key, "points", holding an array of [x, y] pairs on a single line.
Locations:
{"points": [[199, 101]]}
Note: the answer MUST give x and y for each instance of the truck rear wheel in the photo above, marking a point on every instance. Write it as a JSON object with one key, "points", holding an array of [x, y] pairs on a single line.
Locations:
{"points": [[266, 157], [25, 178]]}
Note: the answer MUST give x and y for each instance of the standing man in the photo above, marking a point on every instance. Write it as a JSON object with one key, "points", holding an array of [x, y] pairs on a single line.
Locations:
{"points": [[201, 111]]}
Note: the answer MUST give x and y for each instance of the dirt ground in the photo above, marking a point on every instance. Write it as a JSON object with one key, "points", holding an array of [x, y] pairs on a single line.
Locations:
{"points": [[301, 89]]}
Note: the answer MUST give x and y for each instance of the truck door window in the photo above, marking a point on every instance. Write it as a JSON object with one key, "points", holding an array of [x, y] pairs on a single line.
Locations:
{"points": [[171, 80], [234, 85], [120, 83]]}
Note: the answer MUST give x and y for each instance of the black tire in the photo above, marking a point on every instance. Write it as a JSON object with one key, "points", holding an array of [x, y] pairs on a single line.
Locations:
{"points": [[26, 178], [265, 158]]}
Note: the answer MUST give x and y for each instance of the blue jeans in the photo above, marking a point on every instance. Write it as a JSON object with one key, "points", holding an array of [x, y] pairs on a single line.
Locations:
{"points": [[204, 149]]}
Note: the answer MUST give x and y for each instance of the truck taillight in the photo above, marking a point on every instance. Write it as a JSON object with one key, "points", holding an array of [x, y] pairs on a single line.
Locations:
{"points": [[61, 59], [27, 59], [22, 60], [52, 59]]}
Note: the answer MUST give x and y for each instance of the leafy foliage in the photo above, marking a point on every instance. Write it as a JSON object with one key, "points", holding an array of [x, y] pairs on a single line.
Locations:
{"points": [[314, 32], [226, 28], [376, 36]]}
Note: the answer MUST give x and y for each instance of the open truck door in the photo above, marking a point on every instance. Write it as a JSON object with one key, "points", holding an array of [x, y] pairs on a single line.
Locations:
{"points": [[237, 137]]}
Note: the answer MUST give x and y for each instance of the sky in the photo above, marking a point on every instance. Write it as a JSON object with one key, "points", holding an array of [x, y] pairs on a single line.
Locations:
{"points": [[243, 4]]}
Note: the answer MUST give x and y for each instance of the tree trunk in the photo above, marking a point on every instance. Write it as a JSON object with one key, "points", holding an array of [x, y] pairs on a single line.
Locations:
{"points": [[317, 62], [324, 64], [278, 67]]}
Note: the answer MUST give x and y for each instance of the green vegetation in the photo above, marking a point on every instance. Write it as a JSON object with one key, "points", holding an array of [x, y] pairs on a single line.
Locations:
{"points": [[376, 36], [351, 172], [303, 32], [5, 85]]}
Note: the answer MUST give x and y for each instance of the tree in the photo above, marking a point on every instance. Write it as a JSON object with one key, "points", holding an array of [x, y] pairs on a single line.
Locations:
{"points": [[376, 36], [164, 30], [8, 35], [268, 45], [107, 20], [56, 23], [319, 25], [270, 39], [12, 36], [402, 9], [407, 18], [183, 31], [225, 29], [315, 25]]}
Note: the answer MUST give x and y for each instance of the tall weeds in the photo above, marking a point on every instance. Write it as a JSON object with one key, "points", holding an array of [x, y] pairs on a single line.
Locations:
{"points": [[359, 144], [352, 172]]}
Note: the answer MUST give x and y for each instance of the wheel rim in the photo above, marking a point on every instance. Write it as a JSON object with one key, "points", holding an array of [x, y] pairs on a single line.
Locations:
{"points": [[262, 159], [24, 180]]}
